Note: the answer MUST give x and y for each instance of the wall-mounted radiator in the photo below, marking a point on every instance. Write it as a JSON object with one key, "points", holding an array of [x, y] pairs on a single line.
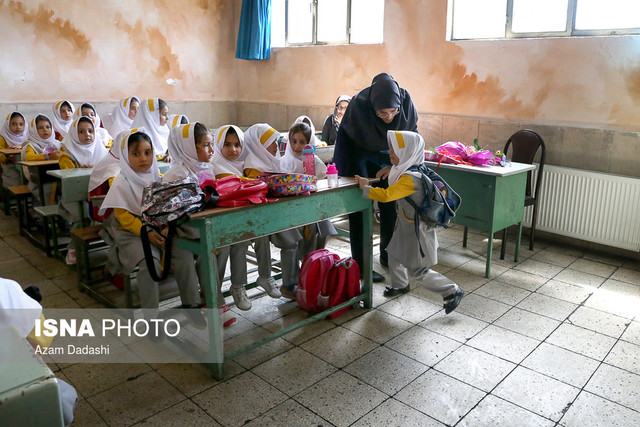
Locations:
{"points": [[592, 206]]}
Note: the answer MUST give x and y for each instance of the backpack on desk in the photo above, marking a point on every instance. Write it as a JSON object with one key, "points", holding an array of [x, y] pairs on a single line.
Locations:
{"points": [[326, 281]]}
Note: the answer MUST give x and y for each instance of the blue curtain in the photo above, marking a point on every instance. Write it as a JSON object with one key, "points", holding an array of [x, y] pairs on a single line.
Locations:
{"points": [[254, 34]]}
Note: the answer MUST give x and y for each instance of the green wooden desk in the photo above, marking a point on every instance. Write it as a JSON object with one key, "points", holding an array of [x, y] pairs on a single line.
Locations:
{"points": [[39, 169], [492, 198], [224, 226]]}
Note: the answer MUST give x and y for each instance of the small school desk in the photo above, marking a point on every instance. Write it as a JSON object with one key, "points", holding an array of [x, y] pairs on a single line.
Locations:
{"points": [[75, 184], [11, 151], [492, 198], [224, 226], [39, 168]]}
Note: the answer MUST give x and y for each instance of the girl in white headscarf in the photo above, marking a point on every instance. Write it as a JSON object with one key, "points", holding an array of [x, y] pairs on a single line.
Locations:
{"points": [[121, 118], [62, 118], [300, 135], [41, 145], [139, 169], [229, 156], [102, 135], [153, 115], [81, 150], [81, 147], [410, 256], [176, 120], [13, 134], [264, 157]]}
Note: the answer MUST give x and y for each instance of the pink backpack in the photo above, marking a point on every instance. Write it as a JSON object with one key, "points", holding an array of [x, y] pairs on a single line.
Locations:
{"points": [[326, 281]]}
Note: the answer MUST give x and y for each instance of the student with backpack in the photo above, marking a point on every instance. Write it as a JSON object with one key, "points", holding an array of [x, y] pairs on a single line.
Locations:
{"points": [[410, 255]]}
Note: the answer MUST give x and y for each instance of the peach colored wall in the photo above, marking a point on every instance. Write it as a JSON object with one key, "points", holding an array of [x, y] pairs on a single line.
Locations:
{"points": [[105, 50], [591, 81]]}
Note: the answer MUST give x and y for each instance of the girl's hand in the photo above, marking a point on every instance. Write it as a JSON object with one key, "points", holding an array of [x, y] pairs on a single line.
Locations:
{"points": [[86, 166], [156, 239], [54, 155], [383, 173], [362, 182]]}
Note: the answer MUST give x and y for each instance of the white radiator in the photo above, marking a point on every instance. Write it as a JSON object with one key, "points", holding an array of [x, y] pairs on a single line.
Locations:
{"points": [[592, 206]]}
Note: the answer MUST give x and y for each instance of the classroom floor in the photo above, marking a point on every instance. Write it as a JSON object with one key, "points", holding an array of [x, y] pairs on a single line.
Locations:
{"points": [[551, 340]]}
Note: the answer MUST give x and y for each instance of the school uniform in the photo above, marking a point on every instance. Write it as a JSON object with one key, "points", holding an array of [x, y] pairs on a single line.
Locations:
{"points": [[38, 149], [76, 155], [148, 116], [314, 235], [8, 139], [259, 137], [124, 197], [60, 126], [237, 252], [410, 256], [119, 121]]}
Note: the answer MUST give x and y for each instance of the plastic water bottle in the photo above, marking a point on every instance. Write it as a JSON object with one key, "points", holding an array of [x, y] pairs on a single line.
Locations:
{"points": [[309, 162], [332, 175]]}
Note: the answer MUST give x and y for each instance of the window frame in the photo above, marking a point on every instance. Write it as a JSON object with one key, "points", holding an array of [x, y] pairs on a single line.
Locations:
{"points": [[314, 36], [570, 30]]}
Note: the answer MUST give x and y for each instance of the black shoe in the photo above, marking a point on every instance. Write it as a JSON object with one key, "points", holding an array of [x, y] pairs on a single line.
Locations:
{"points": [[390, 291], [375, 276], [452, 301]]}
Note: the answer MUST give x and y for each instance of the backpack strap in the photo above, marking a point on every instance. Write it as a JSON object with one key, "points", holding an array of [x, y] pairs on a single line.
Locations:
{"points": [[148, 256], [416, 209]]}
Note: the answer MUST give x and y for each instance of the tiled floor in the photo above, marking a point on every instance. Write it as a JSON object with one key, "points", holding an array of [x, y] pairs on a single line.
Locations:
{"points": [[551, 340]]}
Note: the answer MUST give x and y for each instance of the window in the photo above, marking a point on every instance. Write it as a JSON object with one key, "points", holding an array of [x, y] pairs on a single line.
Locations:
{"points": [[491, 19], [323, 22]]}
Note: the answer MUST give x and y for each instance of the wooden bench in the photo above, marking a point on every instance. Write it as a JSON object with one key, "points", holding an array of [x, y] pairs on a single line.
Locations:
{"points": [[24, 199]]}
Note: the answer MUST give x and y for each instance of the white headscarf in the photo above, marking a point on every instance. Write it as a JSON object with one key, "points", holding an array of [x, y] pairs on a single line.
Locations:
{"points": [[59, 125], [17, 309], [119, 120], [38, 144], [182, 149], [14, 140], [109, 166], [307, 120], [148, 117], [126, 190], [176, 120], [102, 135], [220, 162], [257, 139], [84, 154], [409, 147]]}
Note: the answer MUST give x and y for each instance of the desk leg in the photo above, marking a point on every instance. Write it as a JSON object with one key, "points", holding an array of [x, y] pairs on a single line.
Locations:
{"points": [[367, 246], [487, 270], [518, 238], [208, 273], [464, 236]]}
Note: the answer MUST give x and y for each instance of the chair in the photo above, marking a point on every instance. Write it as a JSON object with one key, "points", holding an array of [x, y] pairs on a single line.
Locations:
{"points": [[525, 144]]}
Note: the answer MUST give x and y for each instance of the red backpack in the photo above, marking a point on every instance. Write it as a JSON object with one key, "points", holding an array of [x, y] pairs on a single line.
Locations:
{"points": [[326, 281]]}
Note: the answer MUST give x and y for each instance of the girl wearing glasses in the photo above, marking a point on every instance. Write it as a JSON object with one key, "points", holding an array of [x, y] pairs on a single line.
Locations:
{"points": [[332, 122], [361, 149]]}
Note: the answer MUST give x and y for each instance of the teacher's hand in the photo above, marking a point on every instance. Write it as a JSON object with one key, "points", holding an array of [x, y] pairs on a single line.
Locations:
{"points": [[383, 173]]}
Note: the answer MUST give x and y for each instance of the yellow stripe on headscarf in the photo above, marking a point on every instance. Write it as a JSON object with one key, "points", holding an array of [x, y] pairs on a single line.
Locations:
{"points": [[175, 121], [8, 115], [400, 139], [58, 104], [124, 104], [151, 107], [265, 136], [131, 132], [222, 132], [185, 130]]}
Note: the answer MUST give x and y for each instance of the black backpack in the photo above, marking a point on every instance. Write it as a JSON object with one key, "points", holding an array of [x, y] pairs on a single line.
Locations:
{"points": [[440, 201]]}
